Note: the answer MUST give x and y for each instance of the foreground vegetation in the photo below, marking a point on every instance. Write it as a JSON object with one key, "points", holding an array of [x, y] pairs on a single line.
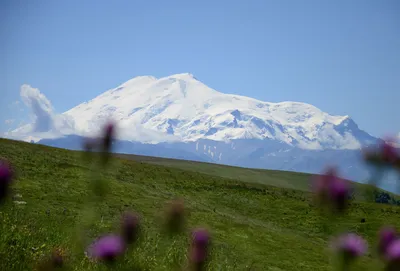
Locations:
{"points": [[257, 223]]}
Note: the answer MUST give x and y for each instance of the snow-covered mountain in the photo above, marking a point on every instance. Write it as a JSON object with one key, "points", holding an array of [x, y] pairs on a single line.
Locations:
{"points": [[181, 108], [180, 117]]}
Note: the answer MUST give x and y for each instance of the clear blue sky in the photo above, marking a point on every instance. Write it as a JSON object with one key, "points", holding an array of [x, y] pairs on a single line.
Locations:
{"points": [[341, 56]]}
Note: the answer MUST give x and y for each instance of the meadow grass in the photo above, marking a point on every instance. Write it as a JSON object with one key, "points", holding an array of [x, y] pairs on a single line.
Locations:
{"points": [[278, 178], [265, 221]]}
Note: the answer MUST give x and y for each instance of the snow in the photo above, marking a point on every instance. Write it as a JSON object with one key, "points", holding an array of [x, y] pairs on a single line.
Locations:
{"points": [[181, 108]]}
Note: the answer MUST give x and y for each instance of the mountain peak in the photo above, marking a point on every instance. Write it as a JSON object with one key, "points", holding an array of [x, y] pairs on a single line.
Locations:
{"points": [[139, 79], [187, 110], [183, 76]]}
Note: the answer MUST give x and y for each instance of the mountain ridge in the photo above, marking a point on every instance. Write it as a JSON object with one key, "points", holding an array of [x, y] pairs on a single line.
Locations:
{"points": [[181, 108]]}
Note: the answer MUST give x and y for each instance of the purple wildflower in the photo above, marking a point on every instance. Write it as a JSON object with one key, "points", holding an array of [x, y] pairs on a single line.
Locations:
{"points": [[388, 153], [107, 248], [200, 247], [321, 182], [385, 155], [108, 135], [339, 192], [5, 179], [386, 236], [350, 246], [130, 227], [332, 190], [393, 256]]}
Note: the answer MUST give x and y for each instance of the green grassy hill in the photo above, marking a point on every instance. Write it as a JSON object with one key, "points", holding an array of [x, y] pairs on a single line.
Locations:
{"points": [[259, 220], [278, 178], [283, 179]]}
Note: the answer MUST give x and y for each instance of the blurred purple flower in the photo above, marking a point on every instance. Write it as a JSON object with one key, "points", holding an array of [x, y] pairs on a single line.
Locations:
{"points": [[389, 154], [106, 143], [393, 256], [350, 246], [130, 227], [385, 155], [331, 190], [321, 182], [5, 179], [339, 192], [109, 130], [200, 247], [107, 248], [386, 236]]}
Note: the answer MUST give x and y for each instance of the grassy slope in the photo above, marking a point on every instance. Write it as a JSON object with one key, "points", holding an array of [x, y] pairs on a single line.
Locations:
{"points": [[255, 226], [284, 179]]}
